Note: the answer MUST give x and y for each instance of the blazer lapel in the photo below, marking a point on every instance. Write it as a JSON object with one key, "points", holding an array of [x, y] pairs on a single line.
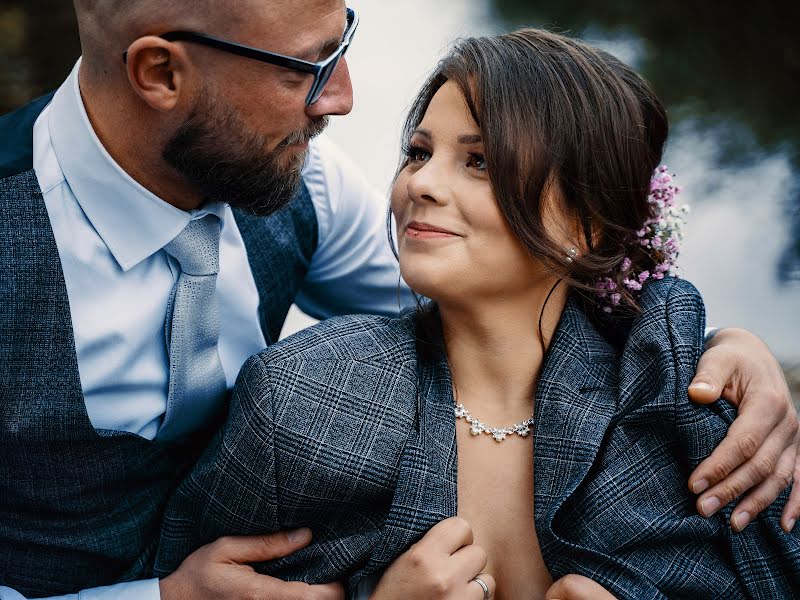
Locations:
{"points": [[575, 401], [426, 491]]}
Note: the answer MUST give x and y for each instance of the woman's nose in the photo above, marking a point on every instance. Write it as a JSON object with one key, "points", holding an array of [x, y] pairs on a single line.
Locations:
{"points": [[428, 184]]}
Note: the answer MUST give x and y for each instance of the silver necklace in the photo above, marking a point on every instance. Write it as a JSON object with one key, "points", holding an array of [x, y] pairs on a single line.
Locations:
{"points": [[522, 429]]}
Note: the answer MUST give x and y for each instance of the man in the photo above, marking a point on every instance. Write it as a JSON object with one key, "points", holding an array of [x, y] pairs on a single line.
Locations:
{"points": [[156, 231]]}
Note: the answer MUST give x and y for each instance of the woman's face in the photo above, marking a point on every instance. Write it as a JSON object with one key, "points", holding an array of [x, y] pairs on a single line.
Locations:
{"points": [[453, 241]]}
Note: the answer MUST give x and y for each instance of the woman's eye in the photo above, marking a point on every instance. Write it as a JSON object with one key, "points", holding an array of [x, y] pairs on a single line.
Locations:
{"points": [[477, 161], [416, 154]]}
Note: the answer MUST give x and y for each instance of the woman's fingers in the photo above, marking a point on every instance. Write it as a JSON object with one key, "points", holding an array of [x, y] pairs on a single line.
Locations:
{"points": [[577, 587], [470, 561], [448, 536], [476, 589]]}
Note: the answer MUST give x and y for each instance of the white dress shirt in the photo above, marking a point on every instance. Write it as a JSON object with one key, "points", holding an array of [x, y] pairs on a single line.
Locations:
{"points": [[110, 233]]}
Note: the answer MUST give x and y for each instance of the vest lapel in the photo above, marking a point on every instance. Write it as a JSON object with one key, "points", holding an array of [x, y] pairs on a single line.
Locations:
{"points": [[38, 361]]}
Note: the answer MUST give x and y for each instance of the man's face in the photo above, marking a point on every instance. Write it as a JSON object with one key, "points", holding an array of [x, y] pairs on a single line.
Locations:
{"points": [[245, 140]]}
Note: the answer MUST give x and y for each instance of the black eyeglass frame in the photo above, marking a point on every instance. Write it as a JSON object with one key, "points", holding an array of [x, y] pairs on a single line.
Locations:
{"points": [[321, 71]]}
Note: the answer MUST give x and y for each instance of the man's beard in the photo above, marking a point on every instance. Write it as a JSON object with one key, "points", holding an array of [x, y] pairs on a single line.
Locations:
{"points": [[215, 150]]}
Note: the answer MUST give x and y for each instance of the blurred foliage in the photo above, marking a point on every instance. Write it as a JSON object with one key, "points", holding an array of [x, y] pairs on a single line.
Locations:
{"points": [[732, 68], [38, 47]]}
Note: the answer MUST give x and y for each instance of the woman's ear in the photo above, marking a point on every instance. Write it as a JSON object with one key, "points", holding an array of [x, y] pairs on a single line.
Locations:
{"points": [[157, 71]]}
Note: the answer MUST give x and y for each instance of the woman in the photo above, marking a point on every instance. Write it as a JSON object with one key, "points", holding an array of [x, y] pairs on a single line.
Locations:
{"points": [[524, 212]]}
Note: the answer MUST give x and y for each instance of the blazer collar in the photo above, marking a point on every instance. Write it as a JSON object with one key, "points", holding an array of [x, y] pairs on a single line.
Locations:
{"points": [[576, 399]]}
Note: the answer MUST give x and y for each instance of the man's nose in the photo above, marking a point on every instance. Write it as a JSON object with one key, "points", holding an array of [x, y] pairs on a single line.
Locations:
{"points": [[337, 97]]}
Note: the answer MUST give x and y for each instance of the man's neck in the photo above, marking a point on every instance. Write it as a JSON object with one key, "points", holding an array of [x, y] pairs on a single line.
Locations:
{"points": [[134, 138]]}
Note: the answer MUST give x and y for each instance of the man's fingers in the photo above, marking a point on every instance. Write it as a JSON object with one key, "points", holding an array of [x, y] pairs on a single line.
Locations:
{"points": [[744, 438], [791, 512], [257, 548], [764, 494], [714, 369], [476, 589], [752, 472], [448, 535]]}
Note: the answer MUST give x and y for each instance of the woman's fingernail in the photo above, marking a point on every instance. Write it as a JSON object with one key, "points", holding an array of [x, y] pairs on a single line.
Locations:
{"points": [[790, 525], [298, 535], [741, 520], [701, 385], [700, 486], [710, 505]]}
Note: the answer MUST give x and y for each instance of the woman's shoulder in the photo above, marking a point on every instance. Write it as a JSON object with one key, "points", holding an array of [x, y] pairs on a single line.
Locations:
{"points": [[369, 338], [665, 340]]}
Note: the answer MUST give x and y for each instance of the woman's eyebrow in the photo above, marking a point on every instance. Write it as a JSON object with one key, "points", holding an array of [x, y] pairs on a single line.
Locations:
{"points": [[470, 139], [423, 133]]}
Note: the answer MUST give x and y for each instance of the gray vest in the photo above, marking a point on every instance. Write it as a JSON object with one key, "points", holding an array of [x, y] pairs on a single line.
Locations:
{"points": [[81, 507]]}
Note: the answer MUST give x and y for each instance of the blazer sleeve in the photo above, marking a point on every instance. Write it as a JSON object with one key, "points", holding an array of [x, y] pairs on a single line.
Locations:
{"points": [[232, 488], [633, 523]]}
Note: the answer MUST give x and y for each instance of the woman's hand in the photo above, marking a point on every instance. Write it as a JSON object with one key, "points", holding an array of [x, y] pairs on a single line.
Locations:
{"points": [[760, 452], [441, 566], [577, 587]]}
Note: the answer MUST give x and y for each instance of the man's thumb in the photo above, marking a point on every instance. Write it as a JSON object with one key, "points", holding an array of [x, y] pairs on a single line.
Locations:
{"points": [[257, 548], [703, 390]]}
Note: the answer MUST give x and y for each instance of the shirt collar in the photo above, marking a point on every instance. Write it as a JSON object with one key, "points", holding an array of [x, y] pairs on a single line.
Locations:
{"points": [[132, 222]]}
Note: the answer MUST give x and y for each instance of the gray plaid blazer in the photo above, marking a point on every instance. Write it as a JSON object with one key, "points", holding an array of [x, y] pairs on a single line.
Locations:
{"points": [[347, 428]]}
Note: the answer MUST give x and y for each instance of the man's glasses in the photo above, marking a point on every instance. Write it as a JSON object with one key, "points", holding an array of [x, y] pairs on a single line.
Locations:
{"points": [[321, 71]]}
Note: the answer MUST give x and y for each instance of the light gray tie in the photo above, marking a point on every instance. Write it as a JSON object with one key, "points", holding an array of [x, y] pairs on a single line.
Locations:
{"points": [[196, 380]]}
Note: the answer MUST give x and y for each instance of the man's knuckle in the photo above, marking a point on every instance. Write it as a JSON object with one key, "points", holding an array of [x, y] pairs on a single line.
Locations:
{"points": [[763, 467], [784, 478], [718, 471], [747, 444]]}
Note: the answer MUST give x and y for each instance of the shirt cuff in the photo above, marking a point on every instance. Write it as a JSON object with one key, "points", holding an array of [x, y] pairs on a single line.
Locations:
{"points": [[146, 589], [710, 333]]}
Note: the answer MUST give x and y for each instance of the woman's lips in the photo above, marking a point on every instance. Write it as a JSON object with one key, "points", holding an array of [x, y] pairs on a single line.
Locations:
{"points": [[425, 231]]}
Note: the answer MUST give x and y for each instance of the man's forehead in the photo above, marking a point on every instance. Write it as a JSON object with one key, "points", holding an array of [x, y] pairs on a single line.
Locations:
{"points": [[293, 26]]}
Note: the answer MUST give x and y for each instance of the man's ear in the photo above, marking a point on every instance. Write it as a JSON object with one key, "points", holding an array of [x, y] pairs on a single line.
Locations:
{"points": [[157, 71]]}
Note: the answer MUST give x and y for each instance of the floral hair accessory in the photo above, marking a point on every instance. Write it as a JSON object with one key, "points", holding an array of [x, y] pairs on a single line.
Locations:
{"points": [[660, 237]]}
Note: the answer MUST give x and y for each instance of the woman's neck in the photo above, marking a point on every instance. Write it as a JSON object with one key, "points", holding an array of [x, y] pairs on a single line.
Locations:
{"points": [[494, 348]]}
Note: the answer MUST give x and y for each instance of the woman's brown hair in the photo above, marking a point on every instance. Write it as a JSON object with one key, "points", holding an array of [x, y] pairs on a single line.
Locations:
{"points": [[557, 115]]}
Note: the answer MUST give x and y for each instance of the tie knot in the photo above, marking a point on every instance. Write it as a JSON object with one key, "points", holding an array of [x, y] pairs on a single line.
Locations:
{"points": [[196, 248]]}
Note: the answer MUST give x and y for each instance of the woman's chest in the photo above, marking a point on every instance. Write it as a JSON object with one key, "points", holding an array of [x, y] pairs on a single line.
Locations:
{"points": [[495, 495]]}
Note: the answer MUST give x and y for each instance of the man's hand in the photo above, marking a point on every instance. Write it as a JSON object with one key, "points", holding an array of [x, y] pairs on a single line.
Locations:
{"points": [[760, 452], [440, 566], [577, 587], [219, 571]]}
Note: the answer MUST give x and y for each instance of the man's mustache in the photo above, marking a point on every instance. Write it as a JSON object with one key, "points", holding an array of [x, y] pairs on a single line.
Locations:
{"points": [[306, 134]]}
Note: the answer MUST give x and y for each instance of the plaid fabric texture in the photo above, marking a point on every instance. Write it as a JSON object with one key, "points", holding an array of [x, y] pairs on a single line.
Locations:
{"points": [[345, 429]]}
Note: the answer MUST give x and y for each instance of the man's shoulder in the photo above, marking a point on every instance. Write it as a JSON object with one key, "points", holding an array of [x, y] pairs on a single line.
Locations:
{"points": [[365, 338], [16, 137]]}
